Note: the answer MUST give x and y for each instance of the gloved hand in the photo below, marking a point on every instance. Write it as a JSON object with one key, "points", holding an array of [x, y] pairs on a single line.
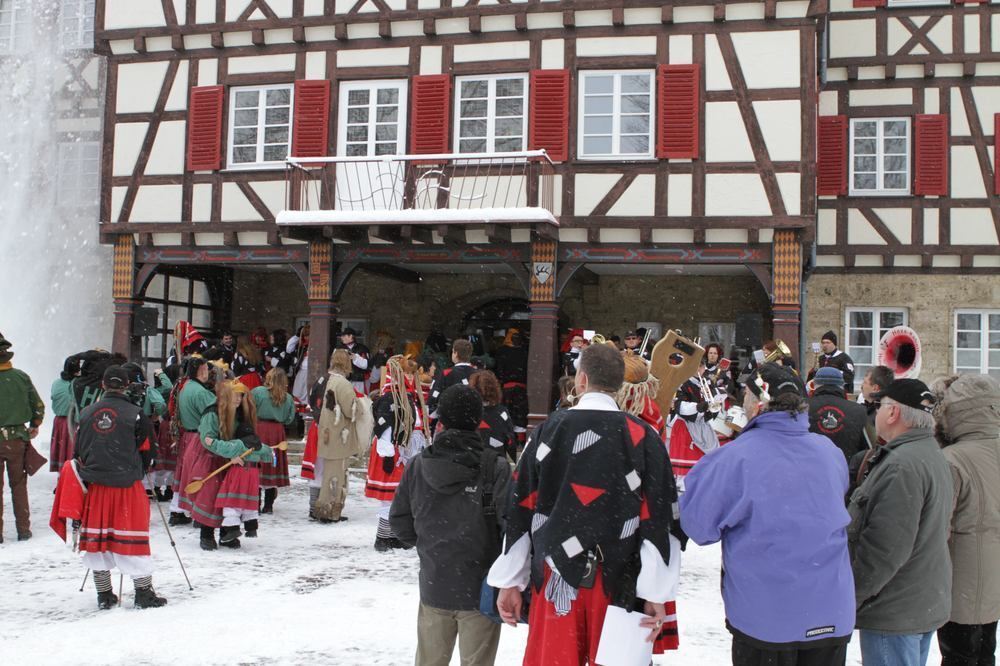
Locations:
{"points": [[388, 464], [76, 524], [252, 442], [384, 447], [702, 407]]}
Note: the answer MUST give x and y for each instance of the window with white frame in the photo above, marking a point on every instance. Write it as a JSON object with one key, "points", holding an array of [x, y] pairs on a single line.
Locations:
{"points": [[490, 114], [372, 118], [880, 156], [15, 25], [260, 125], [616, 114], [977, 341], [79, 171], [865, 327], [76, 19]]}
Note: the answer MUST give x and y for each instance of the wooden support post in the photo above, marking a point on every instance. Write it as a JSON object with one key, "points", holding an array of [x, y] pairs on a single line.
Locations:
{"points": [[123, 292], [786, 290], [322, 308], [544, 325]]}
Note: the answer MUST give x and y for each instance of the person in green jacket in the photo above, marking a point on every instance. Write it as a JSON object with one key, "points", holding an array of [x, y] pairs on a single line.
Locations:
{"points": [[275, 410], [162, 475], [193, 399], [19, 405], [61, 445]]}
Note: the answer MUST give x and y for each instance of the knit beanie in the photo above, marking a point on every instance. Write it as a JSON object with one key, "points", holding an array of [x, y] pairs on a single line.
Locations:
{"points": [[5, 353], [831, 336], [460, 407], [829, 377]]}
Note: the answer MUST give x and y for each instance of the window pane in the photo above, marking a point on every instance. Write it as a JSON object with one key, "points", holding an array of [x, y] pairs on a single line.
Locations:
{"points": [[894, 128], [994, 322], [201, 318], [472, 128], [357, 150], [509, 145], [994, 340], [276, 116], [865, 146], [600, 104], [861, 319], [279, 97], [245, 136], [895, 146], [472, 146], [276, 135], [968, 340], [359, 115], [385, 148], [357, 98], [597, 125], [385, 133], [868, 164], [994, 359], [387, 114], [245, 155], [477, 88], [357, 133], [633, 145], [245, 117], [890, 319], [475, 109], [598, 84], [388, 96], [510, 87], [861, 338], [508, 127], [968, 322], [866, 128], [635, 83], [155, 288], [597, 145], [968, 358], [246, 98], [275, 153], [201, 296], [865, 181], [895, 181], [510, 107], [635, 104], [895, 163], [861, 355], [635, 125]]}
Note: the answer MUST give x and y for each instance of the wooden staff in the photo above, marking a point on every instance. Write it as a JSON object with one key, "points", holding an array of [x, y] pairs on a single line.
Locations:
{"points": [[197, 484]]}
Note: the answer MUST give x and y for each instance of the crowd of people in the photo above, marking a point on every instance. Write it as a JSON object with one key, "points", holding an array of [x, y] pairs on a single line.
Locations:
{"points": [[878, 512]]}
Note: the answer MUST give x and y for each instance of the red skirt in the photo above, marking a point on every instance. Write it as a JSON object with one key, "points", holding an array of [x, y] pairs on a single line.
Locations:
{"points": [[166, 452], [61, 447], [668, 638], [115, 520], [310, 453], [273, 475], [199, 463], [188, 443], [382, 486], [240, 489]]}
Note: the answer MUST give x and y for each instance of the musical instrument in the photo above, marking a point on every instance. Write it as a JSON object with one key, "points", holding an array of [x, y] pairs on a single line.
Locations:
{"points": [[645, 342], [899, 350], [781, 350], [674, 360], [736, 418]]}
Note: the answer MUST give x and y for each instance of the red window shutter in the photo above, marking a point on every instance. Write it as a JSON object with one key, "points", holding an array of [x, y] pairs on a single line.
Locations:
{"points": [[831, 155], [204, 129], [869, 3], [679, 97], [311, 124], [996, 153], [431, 112], [548, 120], [931, 155]]}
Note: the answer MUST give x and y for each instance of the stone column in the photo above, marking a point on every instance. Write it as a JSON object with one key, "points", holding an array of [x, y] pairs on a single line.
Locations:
{"points": [[322, 307], [123, 292], [544, 324], [786, 291]]}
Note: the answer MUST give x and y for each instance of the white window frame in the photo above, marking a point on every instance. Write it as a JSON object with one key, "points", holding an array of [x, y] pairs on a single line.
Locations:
{"points": [[15, 25], [81, 36], [78, 185], [920, 3], [260, 163], [491, 107], [880, 158], [345, 89], [860, 369], [615, 153], [984, 341]]}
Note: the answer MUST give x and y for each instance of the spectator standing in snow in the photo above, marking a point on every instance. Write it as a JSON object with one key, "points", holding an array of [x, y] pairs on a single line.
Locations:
{"points": [[448, 505], [833, 415], [774, 497], [899, 532], [968, 428]]}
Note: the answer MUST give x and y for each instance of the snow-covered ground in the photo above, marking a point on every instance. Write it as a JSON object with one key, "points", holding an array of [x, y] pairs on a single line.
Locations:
{"points": [[301, 593]]}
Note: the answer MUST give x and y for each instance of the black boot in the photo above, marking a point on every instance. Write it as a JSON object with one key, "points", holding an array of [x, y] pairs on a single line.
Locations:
{"points": [[208, 539], [394, 542], [383, 544], [178, 518], [250, 529], [24, 536], [159, 495], [230, 536], [145, 597], [168, 494], [106, 600], [270, 494]]}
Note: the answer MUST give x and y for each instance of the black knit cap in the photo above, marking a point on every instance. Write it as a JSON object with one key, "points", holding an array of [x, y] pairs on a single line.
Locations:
{"points": [[115, 378], [5, 353], [831, 336], [460, 407]]}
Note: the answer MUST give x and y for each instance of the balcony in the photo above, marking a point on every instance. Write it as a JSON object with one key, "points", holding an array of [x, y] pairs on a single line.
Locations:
{"points": [[423, 197]]}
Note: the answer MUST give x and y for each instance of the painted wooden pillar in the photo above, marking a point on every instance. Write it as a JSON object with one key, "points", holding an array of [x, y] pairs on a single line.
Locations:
{"points": [[123, 292], [544, 324], [786, 291], [322, 307]]}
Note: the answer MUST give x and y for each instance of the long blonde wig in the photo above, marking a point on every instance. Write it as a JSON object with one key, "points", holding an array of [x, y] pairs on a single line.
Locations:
{"points": [[227, 400], [276, 382]]}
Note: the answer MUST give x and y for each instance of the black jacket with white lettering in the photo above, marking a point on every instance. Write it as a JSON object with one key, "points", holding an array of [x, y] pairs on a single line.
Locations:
{"points": [[114, 442]]}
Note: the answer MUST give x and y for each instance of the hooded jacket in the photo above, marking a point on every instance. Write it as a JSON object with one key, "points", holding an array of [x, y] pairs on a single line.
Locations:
{"points": [[438, 508], [969, 415], [774, 496]]}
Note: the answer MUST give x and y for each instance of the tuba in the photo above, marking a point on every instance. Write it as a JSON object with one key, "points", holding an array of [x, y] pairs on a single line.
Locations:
{"points": [[899, 350], [781, 350]]}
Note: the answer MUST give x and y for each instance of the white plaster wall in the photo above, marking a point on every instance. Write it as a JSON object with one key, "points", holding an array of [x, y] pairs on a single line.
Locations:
{"points": [[781, 124], [208, 72], [205, 12], [497, 51], [553, 53], [593, 17], [932, 218], [899, 221], [790, 187], [716, 76], [209, 240], [235, 205], [638, 199], [321, 33], [987, 100], [234, 8], [615, 46], [828, 103], [959, 119], [642, 16], [133, 14], [544, 21], [157, 203], [167, 155], [868, 261], [497, 23], [139, 86], [362, 31], [673, 235], [272, 193], [859, 232], [201, 203], [881, 97], [252, 237], [237, 38], [830, 261], [769, 59], [166, 239], [128, 141], [693, 14], [316, 65], [590, 189], [154, 44], [971, 33], [791, 9], [972, 226], [279, 36], [940, 34], [178, 98], [619, 235], [852, 39], [725, 134], [735, 194], [726, 235], [907, 260], [373, 57], [430, 59], [679, 194], [745, 11], [966, 176], [932, 101], [284, 62], [407, 28], [283, 8], [451, 26], [826, 227], [986, 261], [946, 261], [117, 199], [572, 235]]}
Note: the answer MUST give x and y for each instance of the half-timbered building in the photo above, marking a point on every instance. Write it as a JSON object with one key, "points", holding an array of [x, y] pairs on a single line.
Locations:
{"points": [[441, 165]]}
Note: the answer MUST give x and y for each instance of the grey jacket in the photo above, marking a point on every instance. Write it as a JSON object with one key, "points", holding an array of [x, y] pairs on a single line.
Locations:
{"points": [[899, 537], [970, 418]]}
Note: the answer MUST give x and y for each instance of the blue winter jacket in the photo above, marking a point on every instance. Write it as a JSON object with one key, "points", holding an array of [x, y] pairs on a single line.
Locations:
{"points": [[775, 498]]}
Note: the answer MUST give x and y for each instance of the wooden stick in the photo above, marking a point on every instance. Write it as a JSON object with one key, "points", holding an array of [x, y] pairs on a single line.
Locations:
{"points": [[196, 485], [281, 446]]}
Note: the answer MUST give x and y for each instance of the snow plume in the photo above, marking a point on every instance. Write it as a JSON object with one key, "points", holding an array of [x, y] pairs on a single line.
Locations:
{"points": [[55, 277]]}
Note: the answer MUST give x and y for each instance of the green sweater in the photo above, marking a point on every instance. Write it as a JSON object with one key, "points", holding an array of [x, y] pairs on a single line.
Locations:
{"points": [[267, 411], [165, 386], [61, 397], [192, 403], [155, 405], [228, 448], [19, 404]]}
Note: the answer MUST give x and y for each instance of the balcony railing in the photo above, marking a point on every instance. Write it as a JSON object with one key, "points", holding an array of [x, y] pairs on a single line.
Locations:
{"points": [[420, 189]]}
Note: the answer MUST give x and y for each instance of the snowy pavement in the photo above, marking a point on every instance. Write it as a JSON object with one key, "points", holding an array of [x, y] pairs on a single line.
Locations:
{"points": [[301, 593]]}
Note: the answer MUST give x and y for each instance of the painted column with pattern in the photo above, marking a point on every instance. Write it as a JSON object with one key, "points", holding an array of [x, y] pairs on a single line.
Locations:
{"points": [[786, 290], [123, 292], [544, 323], [322, 307]]}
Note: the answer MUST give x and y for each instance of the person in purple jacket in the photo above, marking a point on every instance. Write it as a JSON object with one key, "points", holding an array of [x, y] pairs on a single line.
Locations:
{"points": [[774, 497]]}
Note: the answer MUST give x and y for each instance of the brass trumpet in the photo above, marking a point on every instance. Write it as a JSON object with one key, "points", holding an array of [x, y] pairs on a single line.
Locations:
{"points": [[781, 351]]}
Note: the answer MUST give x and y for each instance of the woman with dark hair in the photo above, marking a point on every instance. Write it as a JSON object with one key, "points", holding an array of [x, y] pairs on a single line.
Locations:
{"points": [[61, 446], [275, 410], [496, 428], [277, 356]]}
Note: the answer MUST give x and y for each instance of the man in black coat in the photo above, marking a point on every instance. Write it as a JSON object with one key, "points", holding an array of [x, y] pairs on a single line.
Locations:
{"points": [[449, 505], [834, 358], [833, 415]]}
